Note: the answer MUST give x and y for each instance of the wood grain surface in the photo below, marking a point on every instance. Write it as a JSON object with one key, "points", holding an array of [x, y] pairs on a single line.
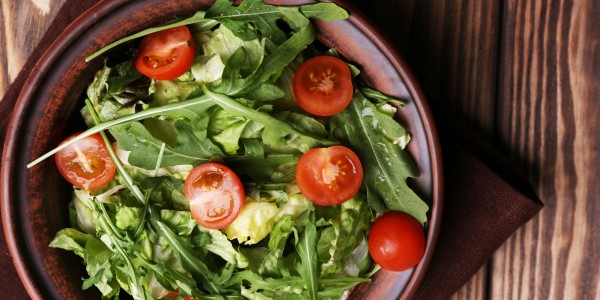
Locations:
{"points": [[547, 120], [524, 74]]}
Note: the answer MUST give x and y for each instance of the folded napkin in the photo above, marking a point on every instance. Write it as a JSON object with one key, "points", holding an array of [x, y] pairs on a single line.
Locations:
{"points": [[484, 201]]}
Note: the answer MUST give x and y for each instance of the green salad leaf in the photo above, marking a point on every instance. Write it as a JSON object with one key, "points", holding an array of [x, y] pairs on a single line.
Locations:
{"points": [[144, 147], [386, 165], [234, 106]]}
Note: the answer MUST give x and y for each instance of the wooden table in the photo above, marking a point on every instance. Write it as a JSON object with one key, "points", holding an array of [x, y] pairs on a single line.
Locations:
{"points": [[525, 75]]}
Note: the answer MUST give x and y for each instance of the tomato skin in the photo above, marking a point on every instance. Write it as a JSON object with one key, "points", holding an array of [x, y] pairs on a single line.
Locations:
{"points": [[166, 54], [86, 164], [173, 295], [215, 193], [323, 85], [396, 241], [329, 176]]}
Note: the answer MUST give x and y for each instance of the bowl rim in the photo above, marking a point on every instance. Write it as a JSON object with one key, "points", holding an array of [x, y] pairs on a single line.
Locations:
{"points": [[103, 9]]}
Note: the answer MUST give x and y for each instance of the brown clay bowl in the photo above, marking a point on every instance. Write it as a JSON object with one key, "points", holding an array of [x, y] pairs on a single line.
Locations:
{"points": [[34, 201]]}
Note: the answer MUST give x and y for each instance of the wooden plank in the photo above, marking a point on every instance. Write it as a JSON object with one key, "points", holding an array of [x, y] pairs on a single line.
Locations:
{"points": [[548, 119], [475, 289], [452, 47], [23, 25]]}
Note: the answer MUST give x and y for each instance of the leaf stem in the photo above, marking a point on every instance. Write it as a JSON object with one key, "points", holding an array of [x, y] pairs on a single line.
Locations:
{"points": [[151, 112]]}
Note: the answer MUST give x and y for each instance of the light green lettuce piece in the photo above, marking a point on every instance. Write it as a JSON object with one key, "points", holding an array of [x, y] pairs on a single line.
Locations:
{"points": [[72, 240], [257, 218], [180, 222], [224, 43], [208, 68], [222, 247], [349, 227]]}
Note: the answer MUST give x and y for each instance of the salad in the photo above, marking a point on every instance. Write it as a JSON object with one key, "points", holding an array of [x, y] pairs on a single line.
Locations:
{"points": [[229, 155]]}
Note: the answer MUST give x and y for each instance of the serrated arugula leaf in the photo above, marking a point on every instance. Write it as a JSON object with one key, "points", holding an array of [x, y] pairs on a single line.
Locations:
{"points": [[306, 246], [276, 132], [234, 84], [324, 11], [145, 148], [202, 24], [386, 165], [236, 18], [265, 17]]}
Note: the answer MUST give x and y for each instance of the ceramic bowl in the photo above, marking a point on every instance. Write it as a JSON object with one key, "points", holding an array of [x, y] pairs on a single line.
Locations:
{"points": [[34, 201]]}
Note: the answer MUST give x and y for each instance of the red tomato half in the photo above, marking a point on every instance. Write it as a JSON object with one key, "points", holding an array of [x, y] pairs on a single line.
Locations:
{"points": [[323, 85], [396, 241], [86, 164], [215, 193], [173, 295], [166, 54], [329, 176]]}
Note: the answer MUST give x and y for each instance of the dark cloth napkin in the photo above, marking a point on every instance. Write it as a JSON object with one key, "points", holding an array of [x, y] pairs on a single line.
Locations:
{"points": [[484, 200]]}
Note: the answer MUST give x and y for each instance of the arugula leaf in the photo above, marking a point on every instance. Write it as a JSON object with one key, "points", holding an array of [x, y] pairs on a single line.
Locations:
{"points": [[201, 102], [265, 17], [306, 246], [272, 264], [234, 84], [385, 164], [161, 129], [198, 19], [145, 148], [127, 73], [276, 132], [324, 11], [191, 262], [262, 15]]}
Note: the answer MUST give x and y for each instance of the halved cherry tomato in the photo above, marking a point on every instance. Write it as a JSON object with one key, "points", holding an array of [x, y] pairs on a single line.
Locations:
{"points": [[329, 176], [396, 241], [323, 85], [166, 54], [86, 164], [173, 295], [215, 193]]}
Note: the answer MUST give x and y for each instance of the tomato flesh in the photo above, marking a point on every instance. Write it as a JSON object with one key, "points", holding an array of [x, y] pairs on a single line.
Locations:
{"points": [[396, 241], [322, 85], [86, 164], [329, 176], [215, 193], [166, 54]]}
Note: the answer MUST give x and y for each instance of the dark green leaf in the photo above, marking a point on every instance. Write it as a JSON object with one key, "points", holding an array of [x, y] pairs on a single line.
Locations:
{"points": [[162, 130], [386, 165], [307, 250], [324, 11], [198, 18], [234, 85], [145, 148], [276, 132]]}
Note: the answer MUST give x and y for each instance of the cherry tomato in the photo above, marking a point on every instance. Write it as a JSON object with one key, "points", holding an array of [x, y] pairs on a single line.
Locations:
{"points": [[329, 176], [215, 193], [86, 164], [173, 295], [323, 85], [166, 54], [396, 241]]}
